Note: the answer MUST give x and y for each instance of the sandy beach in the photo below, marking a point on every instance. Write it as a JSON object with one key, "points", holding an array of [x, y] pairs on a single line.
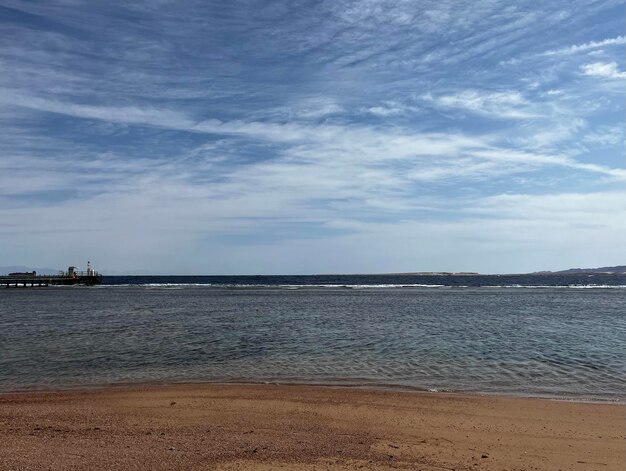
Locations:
{"points": [[229, 427]]}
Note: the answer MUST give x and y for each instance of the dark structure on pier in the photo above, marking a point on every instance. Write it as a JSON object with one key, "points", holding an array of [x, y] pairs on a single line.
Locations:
{"points": [[72, 276]]}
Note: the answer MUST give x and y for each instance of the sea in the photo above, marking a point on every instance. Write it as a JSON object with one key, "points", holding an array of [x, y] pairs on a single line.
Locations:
{"points": [[553, 336]]}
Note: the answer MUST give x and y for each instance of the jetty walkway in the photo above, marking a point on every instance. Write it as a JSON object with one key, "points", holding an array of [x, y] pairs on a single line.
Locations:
{"points": [[72, 276]]}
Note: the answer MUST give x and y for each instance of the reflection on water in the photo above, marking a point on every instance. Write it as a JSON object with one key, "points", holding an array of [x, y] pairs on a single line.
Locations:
{"points": [[544, 341]]}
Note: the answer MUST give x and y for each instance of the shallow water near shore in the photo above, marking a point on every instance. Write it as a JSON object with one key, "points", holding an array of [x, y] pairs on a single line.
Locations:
{"points": [[494, 337]]}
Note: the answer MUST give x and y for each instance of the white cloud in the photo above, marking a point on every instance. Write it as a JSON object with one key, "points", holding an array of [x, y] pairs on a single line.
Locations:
{"points": [[315, 107], [272, 88], [530, 160], [390, 108], [508, 104], [494, 235], [355, 161], [603, 69], [601, 210], [576, 48], [542, 136], [605, 136], [518, 232]]}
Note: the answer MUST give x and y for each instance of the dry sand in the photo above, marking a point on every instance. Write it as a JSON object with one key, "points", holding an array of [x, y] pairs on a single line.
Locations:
{"points": [[231, 427]]}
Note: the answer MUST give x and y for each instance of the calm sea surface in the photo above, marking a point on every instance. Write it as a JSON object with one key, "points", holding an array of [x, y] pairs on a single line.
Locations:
{"points": [[555, 336]]}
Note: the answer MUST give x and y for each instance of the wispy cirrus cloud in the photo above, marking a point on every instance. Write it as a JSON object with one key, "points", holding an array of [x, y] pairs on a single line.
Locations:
{"points": [[499, 104], [391, 108], [605, 136], [588, 46], [255, 133]]}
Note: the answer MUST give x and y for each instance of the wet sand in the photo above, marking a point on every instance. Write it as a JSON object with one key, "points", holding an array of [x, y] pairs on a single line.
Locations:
{"points": [[259, 427]]}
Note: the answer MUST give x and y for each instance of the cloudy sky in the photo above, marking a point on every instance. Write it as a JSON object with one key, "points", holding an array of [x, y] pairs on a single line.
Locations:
{"points": [[275, 136]]}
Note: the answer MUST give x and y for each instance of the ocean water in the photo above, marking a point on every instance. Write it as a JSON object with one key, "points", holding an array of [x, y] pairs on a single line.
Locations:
{"points": [[548, 336]]}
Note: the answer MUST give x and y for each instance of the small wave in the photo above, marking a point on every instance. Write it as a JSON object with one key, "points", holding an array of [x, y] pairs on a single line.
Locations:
{"points": [[592, 286], [598, 286], [175, 285]]}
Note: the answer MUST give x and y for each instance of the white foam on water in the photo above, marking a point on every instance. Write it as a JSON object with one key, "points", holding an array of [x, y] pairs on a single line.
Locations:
{"points": [[277, 286], [349, 286], [557, 286]]}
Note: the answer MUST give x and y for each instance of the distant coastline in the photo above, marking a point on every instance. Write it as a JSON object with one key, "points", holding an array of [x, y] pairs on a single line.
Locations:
{"points": [[614, 270]]}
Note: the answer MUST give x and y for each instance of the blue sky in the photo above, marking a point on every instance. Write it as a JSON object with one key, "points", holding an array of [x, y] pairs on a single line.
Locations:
{"points": [[244, 137]]}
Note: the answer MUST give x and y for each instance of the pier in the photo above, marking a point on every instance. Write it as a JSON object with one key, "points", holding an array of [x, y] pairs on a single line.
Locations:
{"points": [[70, 277]]}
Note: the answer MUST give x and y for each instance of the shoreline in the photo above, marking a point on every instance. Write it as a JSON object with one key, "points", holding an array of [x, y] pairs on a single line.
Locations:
{"points": [[230, 426], [347, 385]]}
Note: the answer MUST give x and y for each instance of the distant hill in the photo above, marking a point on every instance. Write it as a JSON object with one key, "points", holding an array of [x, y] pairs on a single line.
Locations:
{"points": [[620, 269], [22, 269]]}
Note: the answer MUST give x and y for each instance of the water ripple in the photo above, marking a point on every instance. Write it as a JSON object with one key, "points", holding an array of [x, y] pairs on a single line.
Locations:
{"points": [[554, 342]]}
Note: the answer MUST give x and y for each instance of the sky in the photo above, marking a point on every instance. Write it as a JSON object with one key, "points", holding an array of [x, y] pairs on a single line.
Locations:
{"points": [[301, 137]]}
